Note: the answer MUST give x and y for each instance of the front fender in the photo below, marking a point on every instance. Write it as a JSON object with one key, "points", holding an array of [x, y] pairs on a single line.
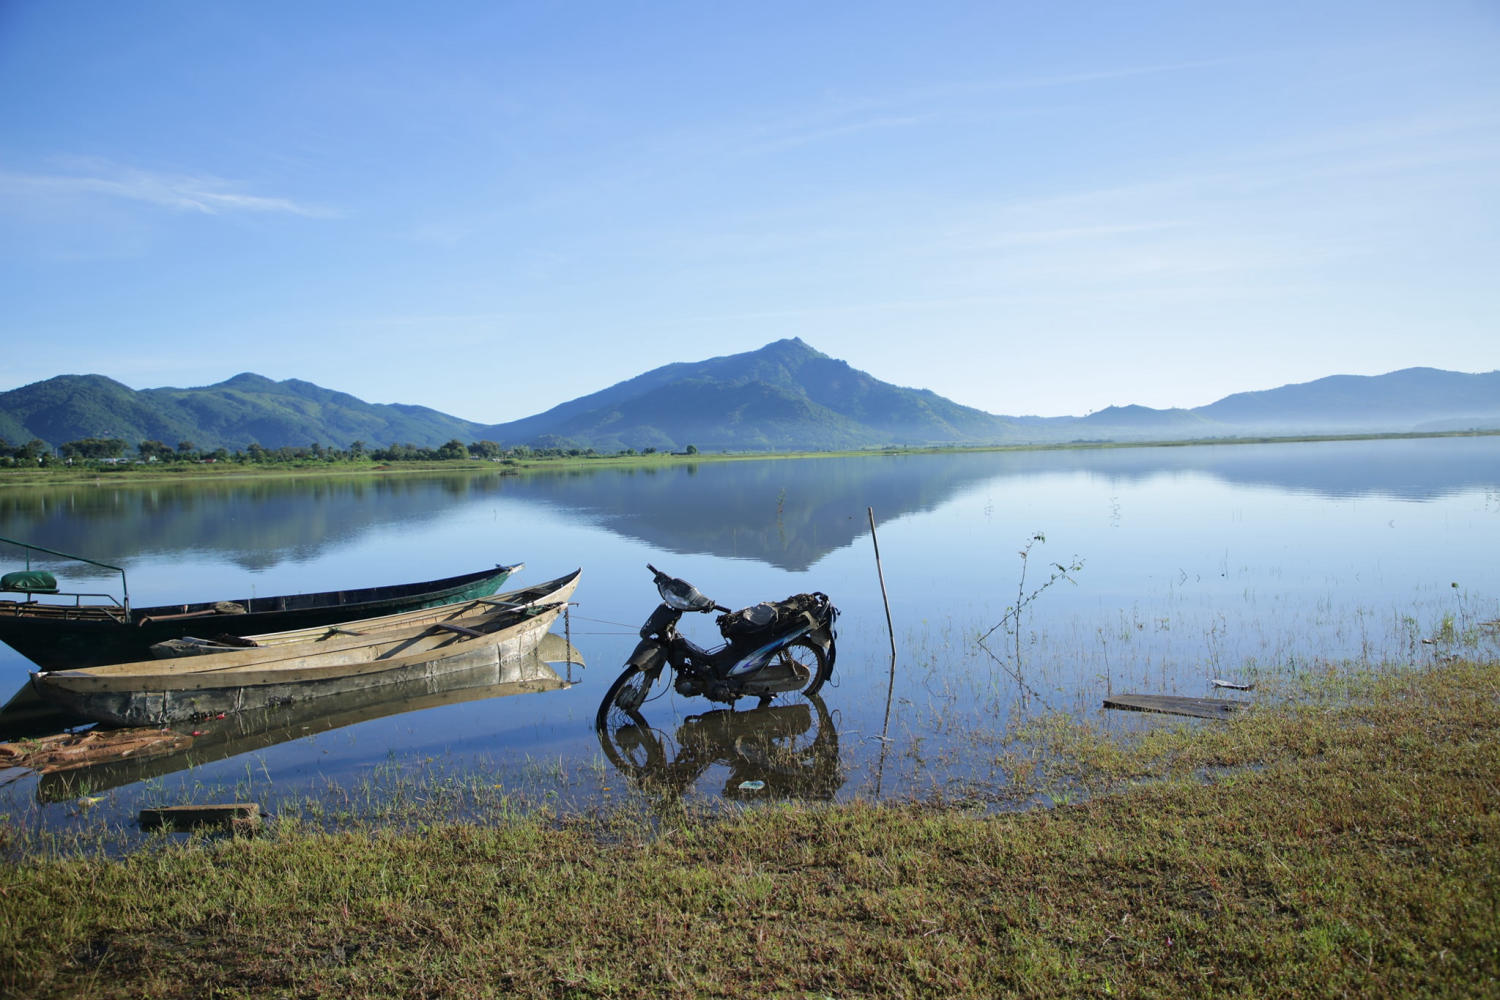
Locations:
{"points": [[648, 656], [825, 637]]}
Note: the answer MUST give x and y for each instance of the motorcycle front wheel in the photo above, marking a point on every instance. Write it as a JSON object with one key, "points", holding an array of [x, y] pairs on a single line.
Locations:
{"points": [[632, 689], [633, 747]]}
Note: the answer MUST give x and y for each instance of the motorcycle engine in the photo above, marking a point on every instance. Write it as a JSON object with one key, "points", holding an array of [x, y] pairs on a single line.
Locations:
{"points": [[709, 687]]}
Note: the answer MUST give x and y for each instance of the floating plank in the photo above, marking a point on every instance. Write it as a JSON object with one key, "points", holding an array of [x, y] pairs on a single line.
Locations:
{"points": [[1198, 708], [242, 817], [63, 751]]}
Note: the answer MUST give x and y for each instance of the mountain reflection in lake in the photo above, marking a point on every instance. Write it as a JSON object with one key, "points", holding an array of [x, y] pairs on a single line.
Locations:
{"points": [[1197, 562]]}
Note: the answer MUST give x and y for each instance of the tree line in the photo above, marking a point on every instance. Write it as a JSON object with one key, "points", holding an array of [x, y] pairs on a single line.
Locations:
{"points": [[107, 451]]}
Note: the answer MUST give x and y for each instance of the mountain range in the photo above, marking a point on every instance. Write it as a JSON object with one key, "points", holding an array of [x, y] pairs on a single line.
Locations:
{"points": [[784, 396]]}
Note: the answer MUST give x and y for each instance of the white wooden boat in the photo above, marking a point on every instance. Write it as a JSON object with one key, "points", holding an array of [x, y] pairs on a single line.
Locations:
{"points": [[559, 590], [181, 689]]}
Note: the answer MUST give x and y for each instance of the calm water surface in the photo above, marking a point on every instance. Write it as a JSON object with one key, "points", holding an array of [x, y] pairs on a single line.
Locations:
{"points": [[1196, 563]]}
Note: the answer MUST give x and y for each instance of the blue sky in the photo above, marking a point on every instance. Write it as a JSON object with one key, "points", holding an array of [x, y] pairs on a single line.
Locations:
{"points": [[490, 208]]}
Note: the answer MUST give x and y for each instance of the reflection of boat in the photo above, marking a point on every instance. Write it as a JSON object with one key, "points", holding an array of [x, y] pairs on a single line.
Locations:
{"points": [[153, 692], [261, 728], [780, 751], [551, 591], [28, 714], [58, 634]]}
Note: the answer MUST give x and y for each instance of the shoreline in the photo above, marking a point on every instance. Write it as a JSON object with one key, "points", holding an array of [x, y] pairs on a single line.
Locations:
{"points": [[183, 472]]}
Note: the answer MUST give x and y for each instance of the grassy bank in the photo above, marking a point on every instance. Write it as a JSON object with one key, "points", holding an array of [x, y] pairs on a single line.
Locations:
{"points": [[1346, 844], [55, 475]]}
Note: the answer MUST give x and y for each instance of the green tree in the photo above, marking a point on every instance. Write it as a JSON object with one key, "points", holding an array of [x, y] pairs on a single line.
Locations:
{"points": [[92, 449], [484, 449], [691, 449], [153, 451], [453, 449]]}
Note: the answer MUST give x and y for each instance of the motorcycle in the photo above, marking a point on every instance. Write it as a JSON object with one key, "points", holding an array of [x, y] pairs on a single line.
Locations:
{"points": [[769, 650]]}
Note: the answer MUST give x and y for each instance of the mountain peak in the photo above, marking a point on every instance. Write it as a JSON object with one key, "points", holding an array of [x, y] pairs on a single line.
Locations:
{"points": [[790, 345], [246, 380]]}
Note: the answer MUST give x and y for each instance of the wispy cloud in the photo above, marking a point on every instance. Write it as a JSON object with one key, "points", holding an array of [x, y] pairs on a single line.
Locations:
{"points": [[204, 194]]}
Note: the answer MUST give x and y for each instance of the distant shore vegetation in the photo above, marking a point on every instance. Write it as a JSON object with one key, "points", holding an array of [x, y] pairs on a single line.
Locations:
{"points": [[108, 454], [96, 458]]}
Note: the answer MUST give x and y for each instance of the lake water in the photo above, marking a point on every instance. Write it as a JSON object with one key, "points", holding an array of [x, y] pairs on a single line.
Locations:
{"points": [[1192, 563]]}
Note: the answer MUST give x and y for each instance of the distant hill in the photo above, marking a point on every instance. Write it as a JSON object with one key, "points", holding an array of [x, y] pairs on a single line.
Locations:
{"points": [[1409, 399], [783, 396], [244, 410]]}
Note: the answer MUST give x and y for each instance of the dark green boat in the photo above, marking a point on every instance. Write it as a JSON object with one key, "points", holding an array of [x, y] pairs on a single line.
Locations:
{"points": [[61, 634]]}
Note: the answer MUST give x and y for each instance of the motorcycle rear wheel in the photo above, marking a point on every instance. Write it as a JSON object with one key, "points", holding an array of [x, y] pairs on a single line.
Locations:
{"points": [[809, 656], [632, 689]]}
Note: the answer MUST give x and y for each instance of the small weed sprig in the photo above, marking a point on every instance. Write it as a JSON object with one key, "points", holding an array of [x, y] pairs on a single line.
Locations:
{"points": [[1011, 620]]}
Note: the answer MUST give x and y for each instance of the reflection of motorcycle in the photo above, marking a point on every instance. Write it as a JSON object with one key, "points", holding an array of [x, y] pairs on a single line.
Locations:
{"points": [[779, 751], [769, 650]]}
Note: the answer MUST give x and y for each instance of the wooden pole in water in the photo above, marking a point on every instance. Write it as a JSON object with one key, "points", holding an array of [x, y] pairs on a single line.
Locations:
{"points": [[890, 689], [881, 574]]}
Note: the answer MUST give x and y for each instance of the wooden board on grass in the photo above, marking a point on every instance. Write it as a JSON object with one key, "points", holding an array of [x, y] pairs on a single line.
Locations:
{"points": [[1198, 708]]}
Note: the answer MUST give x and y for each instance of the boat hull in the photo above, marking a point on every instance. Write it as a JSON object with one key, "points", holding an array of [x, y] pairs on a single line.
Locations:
{"points": [[558, 591], [175, 694], [60, 636]]}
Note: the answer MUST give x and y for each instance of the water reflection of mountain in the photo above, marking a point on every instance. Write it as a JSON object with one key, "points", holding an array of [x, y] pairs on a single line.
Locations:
{"points": [[1404, 469], [792, 513], [787, 513], [256, 524]]}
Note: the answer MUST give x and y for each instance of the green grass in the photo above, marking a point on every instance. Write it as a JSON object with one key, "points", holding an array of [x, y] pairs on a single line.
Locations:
{"points": [[1346, 843]]}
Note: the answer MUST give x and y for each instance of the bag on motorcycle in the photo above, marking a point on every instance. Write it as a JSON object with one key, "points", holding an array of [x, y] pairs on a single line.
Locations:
{"points": [[770, 618]]}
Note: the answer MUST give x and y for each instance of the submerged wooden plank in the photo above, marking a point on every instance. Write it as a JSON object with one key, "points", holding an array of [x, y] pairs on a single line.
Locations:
{"points": [[1199, 708], [238, 816], [63, 751]]}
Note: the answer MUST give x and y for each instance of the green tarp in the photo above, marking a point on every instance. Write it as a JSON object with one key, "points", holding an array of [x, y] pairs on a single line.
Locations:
{"points": [[29, 581]]}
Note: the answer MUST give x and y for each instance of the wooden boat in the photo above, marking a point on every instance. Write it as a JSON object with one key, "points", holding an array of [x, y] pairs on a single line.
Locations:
{"points": [[160, 691], [56, 634], [550, 591]]}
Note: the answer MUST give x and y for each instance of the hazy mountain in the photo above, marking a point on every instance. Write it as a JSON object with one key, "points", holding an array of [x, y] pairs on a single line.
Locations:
{"points": [[783, 396], [1409, 399]]}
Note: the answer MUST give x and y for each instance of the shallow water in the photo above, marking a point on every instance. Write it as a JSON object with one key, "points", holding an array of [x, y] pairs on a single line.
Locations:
{"points": [[1196, 563]]}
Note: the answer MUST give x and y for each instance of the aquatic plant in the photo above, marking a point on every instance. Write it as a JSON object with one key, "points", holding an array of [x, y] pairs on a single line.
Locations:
{"points": [[1011, 622]]}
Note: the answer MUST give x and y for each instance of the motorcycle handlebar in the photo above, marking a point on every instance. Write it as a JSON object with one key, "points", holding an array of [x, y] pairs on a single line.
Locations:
{"points": [[712, 607]]}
